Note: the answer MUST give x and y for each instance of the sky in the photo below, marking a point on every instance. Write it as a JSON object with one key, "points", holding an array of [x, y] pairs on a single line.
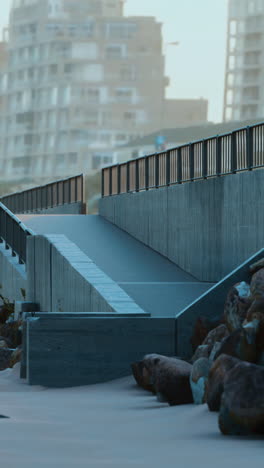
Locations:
{"points": [[196, 67]]}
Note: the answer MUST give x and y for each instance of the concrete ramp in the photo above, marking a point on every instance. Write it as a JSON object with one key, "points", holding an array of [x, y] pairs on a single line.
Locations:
{"points": [[157, 285]]}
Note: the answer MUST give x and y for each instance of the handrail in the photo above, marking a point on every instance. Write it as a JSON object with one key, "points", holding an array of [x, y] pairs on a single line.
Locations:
{"points": [[60, 192], [14, 233], [229, 153]]}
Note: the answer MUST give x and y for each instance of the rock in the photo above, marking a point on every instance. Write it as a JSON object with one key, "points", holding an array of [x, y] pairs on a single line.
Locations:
{"points": [[198, 379], [170, 377], [215, 351], [203, 351], [240, 344], [142, 376], [242, 403], [215, 381], [12, 332], [214, 336], [217, 334], [236, 306], [202, 327], [5, 356], [15, 357], [257, 284], [5, 342], [254, 326], [256, 266]]}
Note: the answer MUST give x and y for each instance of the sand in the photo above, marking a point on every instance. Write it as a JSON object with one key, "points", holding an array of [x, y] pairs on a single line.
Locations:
{"points": [[112, 425]]}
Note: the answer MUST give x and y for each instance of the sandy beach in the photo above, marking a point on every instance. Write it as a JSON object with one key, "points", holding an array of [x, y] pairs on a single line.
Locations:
{"points": [[111, 425]]}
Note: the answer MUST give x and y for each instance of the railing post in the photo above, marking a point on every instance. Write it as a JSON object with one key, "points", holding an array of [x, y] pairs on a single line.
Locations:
{"points": [[218, 156], [168, 168], [146, 172], [249, 148], [157, 170], [191, 159], [137, 175], [102, 184], [179, 166], [233, 153], [128, 177], [110, 181], [118, 179], [205, 159]]}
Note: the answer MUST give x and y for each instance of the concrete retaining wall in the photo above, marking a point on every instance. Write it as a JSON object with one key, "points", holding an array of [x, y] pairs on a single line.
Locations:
{"points": [[13, 276], [208, 228], [62, 278], [69, 208], [64, 352], [210, 305]]}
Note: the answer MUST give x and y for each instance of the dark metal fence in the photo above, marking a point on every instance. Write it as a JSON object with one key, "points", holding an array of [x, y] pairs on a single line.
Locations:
{"points": [[240, 150], [57, 193], [13, 233]]}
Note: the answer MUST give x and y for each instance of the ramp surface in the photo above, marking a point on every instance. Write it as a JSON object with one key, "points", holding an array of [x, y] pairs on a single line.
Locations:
{"points": [[156, 284]]}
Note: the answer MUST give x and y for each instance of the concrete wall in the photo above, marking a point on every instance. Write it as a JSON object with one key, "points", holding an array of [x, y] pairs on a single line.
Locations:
{"points": [[64, 352], [208, 228], [210, 305], [69, 208], [13, 276], [62, 278]]}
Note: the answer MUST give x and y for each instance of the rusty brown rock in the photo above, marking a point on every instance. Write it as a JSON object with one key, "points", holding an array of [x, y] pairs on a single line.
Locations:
{"points": [[255, 322], [215, 382], [12, 332], [242, 403], [257, 284], [142, 376], [171, 378], [240, 344], [15, 357], [5, 356], [203, 351], [256, 266], [201, 329], [236, 306]]}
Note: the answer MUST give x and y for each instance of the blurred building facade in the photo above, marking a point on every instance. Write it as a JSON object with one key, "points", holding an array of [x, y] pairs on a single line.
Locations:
{"points": [[244, 81], [80, 79]]}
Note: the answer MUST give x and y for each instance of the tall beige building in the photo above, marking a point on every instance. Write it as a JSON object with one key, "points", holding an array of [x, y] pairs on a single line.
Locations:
{"points": [[81, 79], [244, 82]]}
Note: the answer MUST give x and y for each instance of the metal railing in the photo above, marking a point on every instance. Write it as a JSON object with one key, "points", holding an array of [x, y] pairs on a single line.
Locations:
{"points": [[61, 192], [240, 150], [14, 233]]}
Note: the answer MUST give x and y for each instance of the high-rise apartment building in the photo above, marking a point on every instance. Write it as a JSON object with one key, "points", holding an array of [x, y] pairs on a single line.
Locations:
{"points": [[244, 83], [81, 78]]}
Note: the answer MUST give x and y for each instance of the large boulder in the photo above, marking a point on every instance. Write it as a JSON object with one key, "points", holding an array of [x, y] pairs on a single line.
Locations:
{"points": [[254, 322], [240, 344], [203, 351], [242, 403], [257, 284], [236, 306], [142, 376], [256, 266], [202, 327], [198, 379], [15, 357], [215, 381], [170, 377], [5, 357], [214, 336], [12, 331]]}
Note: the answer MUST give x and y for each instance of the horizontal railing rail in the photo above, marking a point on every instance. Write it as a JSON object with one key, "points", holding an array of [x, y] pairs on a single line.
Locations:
{"points": [[240, 150], [14, 233], [60, 192]]}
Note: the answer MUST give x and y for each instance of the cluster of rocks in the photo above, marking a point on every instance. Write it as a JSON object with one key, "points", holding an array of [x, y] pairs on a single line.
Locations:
{"points": [[226, 370], [10, 337]]}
